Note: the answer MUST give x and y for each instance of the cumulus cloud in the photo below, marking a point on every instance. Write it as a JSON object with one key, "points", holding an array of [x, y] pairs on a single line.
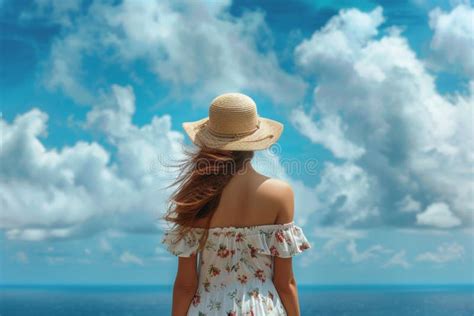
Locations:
{"points": [[453, 39], [376, 108], [445, 252], [438, 215], [77, 190], [198, 48], [333, 48], [346, 195], [327, 132]]}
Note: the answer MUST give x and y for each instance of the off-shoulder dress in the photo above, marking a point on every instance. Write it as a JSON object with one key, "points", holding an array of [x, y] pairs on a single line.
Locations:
{"points": [[236, 266]]}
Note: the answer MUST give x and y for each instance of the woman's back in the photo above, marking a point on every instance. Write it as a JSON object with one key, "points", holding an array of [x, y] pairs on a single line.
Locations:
{"points": [[235, 269], [249, 199]]}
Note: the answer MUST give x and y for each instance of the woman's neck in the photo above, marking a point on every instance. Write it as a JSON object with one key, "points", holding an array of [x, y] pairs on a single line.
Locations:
{"points": [[247, 168]]}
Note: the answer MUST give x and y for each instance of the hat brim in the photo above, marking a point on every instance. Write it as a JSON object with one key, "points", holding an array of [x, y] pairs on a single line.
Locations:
{"points": [[267, 134]]}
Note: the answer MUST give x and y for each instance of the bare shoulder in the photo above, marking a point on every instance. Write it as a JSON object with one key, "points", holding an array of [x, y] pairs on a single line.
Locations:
{"points": [[276, 187], [278, 195]]}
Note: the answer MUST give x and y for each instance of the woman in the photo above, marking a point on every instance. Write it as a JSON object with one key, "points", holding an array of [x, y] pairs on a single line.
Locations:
{"points": [[233, 228]]}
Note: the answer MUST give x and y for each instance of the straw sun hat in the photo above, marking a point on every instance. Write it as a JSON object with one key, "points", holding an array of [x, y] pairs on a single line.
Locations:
{"points": [[233, 124]]}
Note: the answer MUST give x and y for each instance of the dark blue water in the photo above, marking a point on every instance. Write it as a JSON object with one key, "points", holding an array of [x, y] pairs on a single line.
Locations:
{"points": [[316, 300]]}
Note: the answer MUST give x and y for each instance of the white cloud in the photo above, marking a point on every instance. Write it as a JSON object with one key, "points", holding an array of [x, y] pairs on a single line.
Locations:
{"points": [[113, 116], [408, 204], [77, 190], [198, 48], [377, 108], [128, 257], [453, 38], [446, 252], [328, 132], [333, 237], [438, 215], [64, 68], [346, 195], [335, 46], [398, 259], [336, 236], [369, 253]]}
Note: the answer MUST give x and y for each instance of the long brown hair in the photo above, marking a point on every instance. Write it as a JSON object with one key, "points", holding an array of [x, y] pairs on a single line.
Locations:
{"points": [[203, 174]]}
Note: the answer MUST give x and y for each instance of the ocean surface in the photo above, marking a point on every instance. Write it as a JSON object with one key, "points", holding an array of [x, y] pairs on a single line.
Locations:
{"points": [[53, 300]]}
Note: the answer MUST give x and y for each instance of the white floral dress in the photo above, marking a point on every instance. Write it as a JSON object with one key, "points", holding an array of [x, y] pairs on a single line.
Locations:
{"points": [[236, 266]]}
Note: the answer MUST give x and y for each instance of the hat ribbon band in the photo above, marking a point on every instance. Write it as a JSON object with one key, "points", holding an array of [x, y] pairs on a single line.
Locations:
{"points": [[232, 135]]}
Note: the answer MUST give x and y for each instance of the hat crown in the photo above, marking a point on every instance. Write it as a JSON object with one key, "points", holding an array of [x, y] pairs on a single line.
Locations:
{"points": [[233, 113]]}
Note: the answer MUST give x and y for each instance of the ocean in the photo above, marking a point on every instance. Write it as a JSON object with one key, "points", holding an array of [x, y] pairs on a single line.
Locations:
{"points": [[375, 300]]}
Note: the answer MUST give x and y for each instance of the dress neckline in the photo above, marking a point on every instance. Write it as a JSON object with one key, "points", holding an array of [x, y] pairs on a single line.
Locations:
{"points": [[248, 228]]}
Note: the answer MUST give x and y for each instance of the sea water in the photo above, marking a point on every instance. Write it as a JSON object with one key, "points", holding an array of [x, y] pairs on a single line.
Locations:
{"points": [[54, 300]]}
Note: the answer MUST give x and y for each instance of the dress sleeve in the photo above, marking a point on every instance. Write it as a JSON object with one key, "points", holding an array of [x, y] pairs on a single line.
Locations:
{"points": [[184, 247], [283, 241]]}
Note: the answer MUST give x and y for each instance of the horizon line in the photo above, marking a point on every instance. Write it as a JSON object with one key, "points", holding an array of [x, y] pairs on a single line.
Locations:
{"points": [[299, 285]]}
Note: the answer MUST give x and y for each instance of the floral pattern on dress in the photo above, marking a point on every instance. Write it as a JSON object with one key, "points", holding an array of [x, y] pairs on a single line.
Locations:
{"points": [[236, 266]]}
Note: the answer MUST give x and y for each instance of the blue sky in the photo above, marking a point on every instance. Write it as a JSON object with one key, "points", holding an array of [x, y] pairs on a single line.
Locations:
{"points": [[376, 98]]}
